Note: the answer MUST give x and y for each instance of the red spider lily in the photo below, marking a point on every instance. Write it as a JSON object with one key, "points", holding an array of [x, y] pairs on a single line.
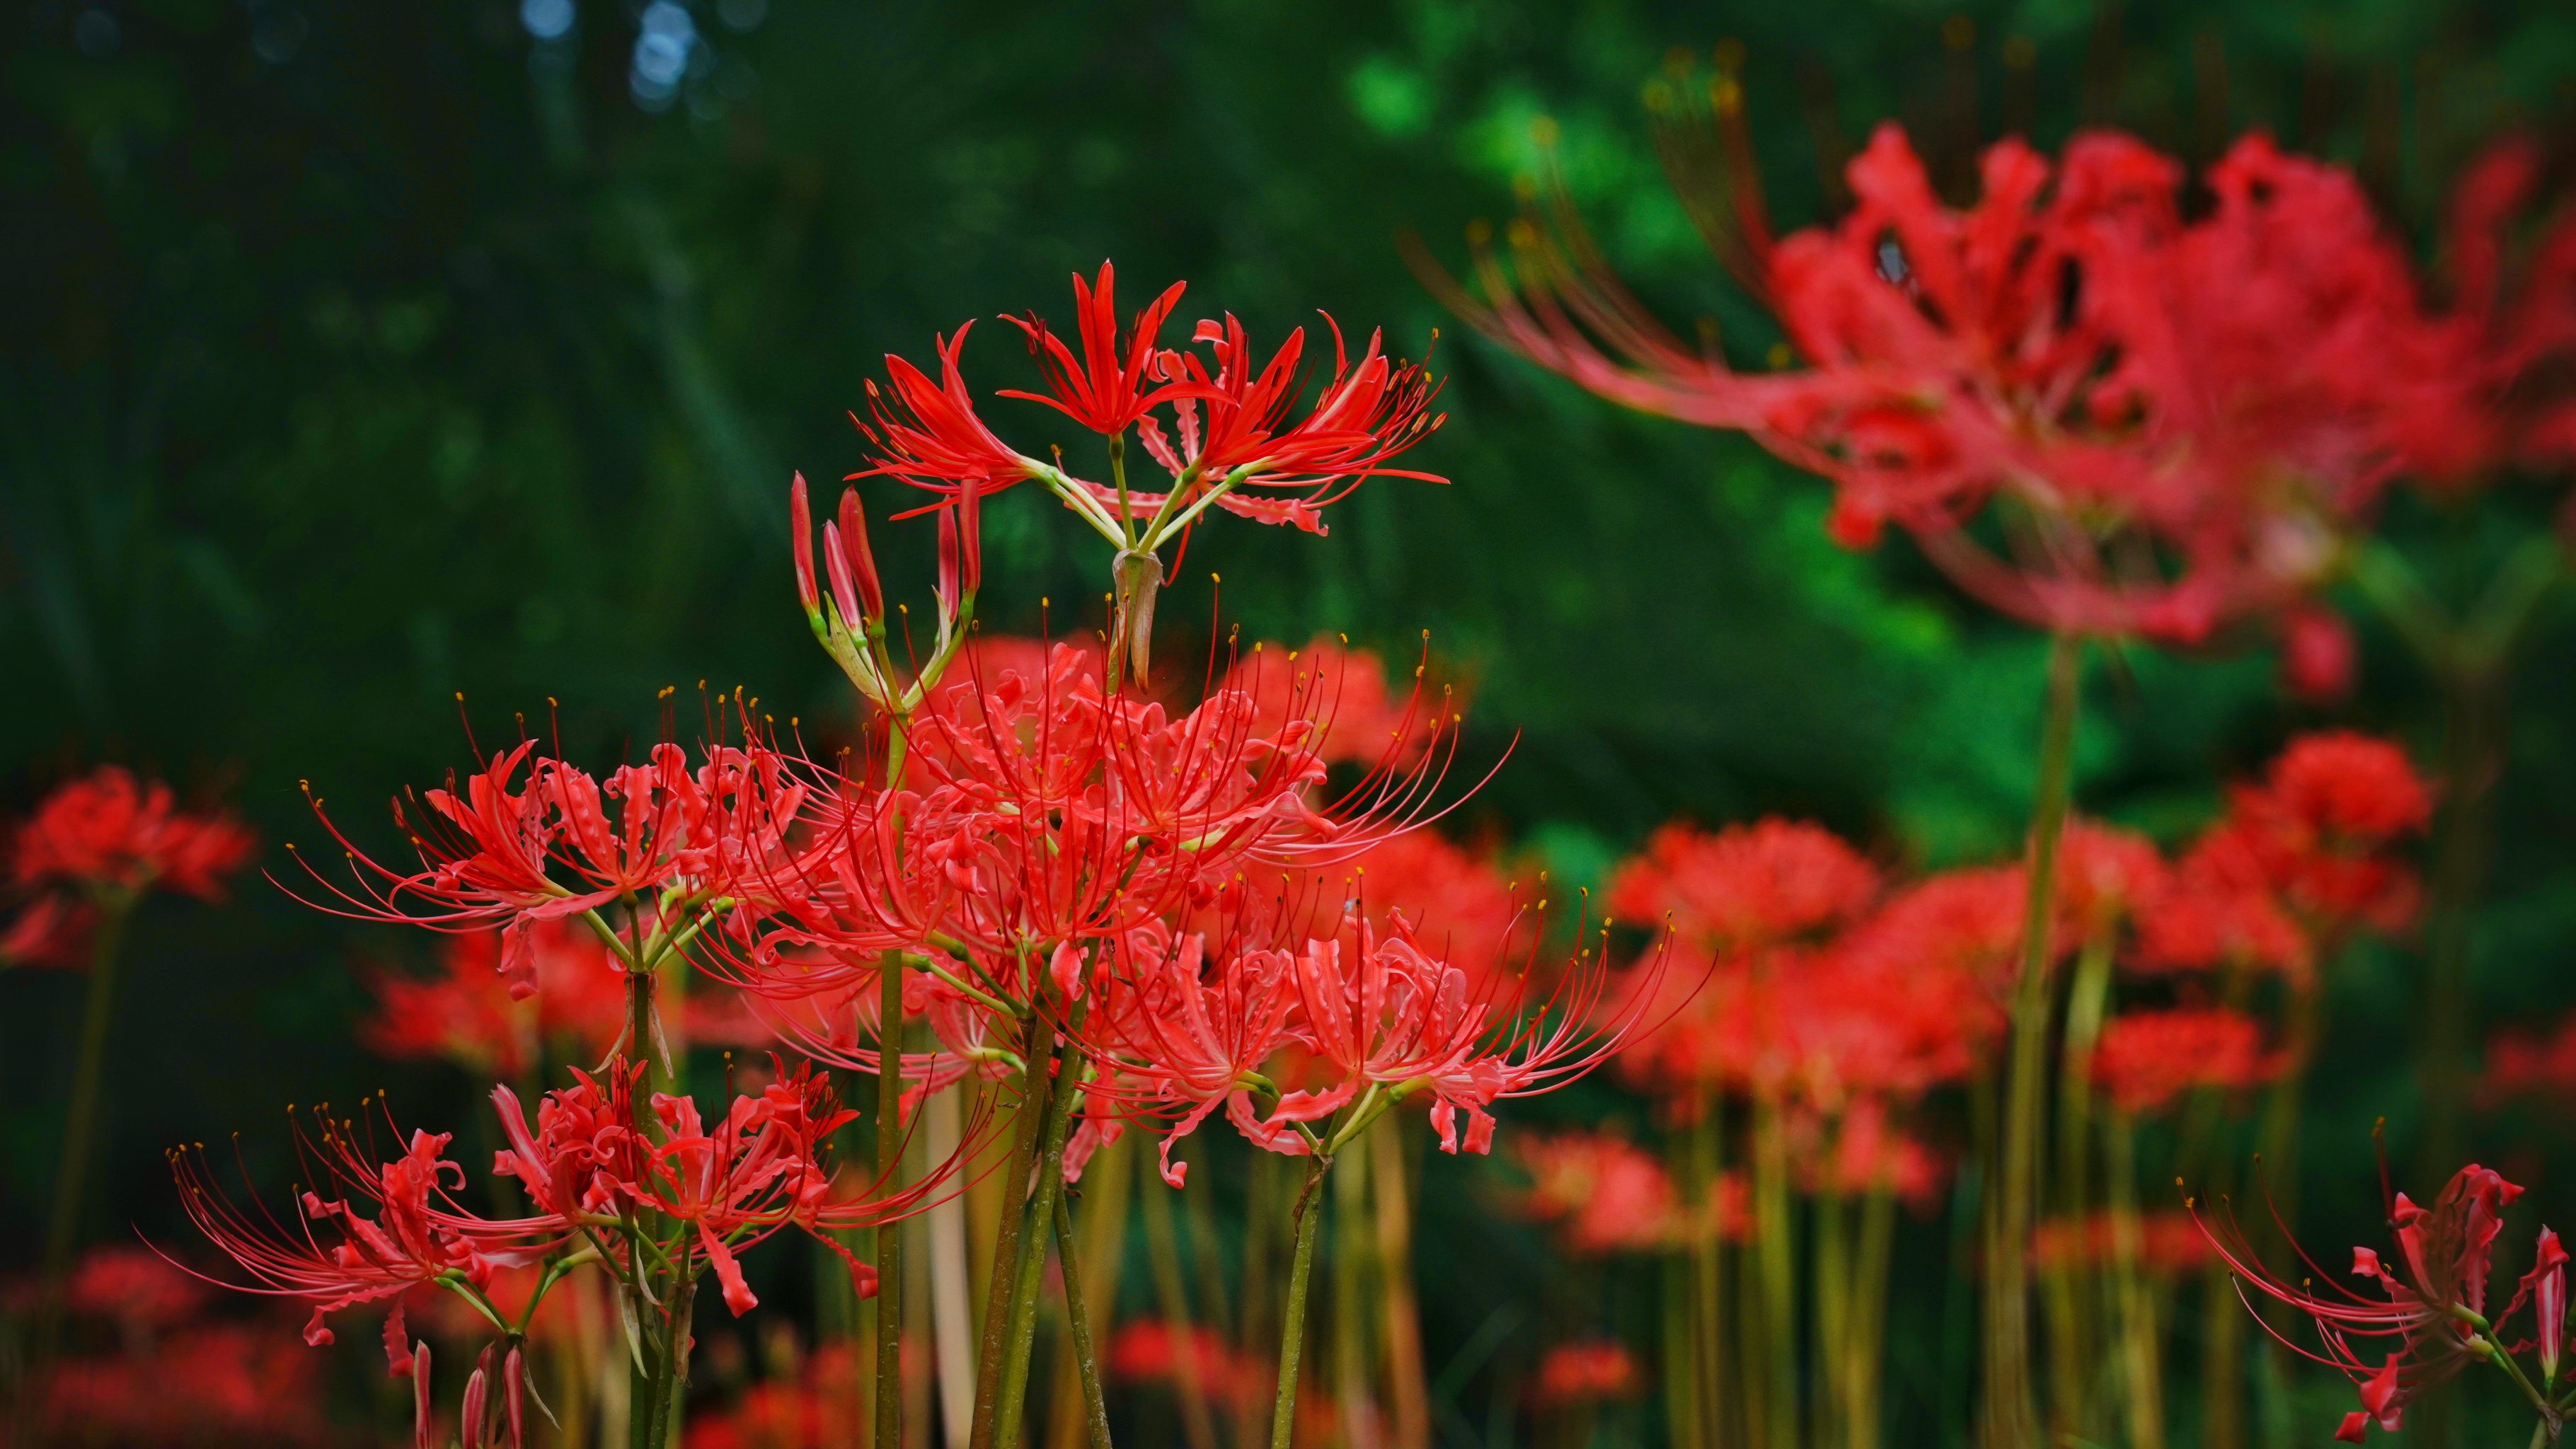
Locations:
{"points": [[1365, 415], [420, 1233], [928, 434], [1187, 1041], [515, 854], [1041, 814], [2216, 908], [2433, 1321], [1603, 1193], [1747, 886], [752, 1175], [1106, 391], [2321, 826], [1229, 424], [1586, 1373], [107, 831], [2146, 1059], [2488, 388], [2171, 420], [101, 840]]}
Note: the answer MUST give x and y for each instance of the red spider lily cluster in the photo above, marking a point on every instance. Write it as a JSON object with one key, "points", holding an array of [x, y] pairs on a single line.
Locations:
{"points": [[98, 843], [1106, 910], [1821, 1023], [2096, 411], [2424, 1318], [1587, 1373]]}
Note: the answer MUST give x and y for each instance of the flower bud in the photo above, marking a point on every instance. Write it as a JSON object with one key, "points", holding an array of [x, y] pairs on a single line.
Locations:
{"points": [[862, 563], [800, 535]]}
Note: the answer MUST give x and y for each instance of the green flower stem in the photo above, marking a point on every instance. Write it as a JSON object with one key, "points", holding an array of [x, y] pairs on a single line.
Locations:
{"points": [[1036, 1088], [1077, 1316], [2011, 1412], [1032, 1258], [1292, 1328], [889, 1404], [80, 1119], [1163, 1256]]}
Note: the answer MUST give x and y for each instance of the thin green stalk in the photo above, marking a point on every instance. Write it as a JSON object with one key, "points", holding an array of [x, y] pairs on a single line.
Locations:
{"points": [[80, 1119], [1833, 1305], [1707, 1294], [2011, 1406], [2141, 1341], [1032, 1259], [1869, 1314], [1077, 1317], [1292, 1328], [1776, 1275], [1163, 1255], [1037, 1088], [889, 1405]]}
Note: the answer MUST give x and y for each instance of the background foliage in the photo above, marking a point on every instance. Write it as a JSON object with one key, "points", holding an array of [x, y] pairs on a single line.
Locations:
{"points": [[356, 356]]}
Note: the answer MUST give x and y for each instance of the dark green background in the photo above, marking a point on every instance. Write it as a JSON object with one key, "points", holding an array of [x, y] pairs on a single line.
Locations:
{"points": [[353, 356]]}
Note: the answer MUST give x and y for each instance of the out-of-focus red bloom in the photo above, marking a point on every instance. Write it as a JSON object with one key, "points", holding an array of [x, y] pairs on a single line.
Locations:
{"points": [[2432, 1321], [107, 836], [208, 1384], [1147, 1351], [808, 1410], [2537, 1066], [135, 1287], [2171, 421], [2318, 656], [1860, 1152], [2105, 877], [2489, 388], [1745, 886], [2170, 1243], [466, 1013], [2144, 1060], [2217, 908], [107, 831], [1604, 1194], [2323, 822], [1599, 1371], [1343, 691]]}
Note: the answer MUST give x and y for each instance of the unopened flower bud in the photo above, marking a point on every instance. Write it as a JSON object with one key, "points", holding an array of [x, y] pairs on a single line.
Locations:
{"points": [[800, 534], [862, 563]]}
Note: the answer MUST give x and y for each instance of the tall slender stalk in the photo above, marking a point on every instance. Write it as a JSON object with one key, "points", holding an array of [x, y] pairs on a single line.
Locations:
{"points": [[1775, 1276], [1292, 1329], [1408, 1394], [1037, 1090], [1870, 1267], [2141, 1345], [1077, 1318], [889, 1405], [80, 1117], [1353, 1392], [1043, 1192], [2011, 1405], [1163, 1252], [1107, 1184], [2069, 1289]]}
